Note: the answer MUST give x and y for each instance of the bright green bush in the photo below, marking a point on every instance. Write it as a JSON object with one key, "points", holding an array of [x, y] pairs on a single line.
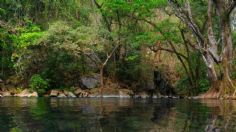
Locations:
{"points": [[37, 83]]}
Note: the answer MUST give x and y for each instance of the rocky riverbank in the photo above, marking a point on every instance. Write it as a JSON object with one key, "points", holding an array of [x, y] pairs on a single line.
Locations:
{"points": [[89, 89], [79, 93]]}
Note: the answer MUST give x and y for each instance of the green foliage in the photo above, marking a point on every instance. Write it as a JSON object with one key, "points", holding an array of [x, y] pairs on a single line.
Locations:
{"points": [[204, 85], [234, 38], [183, 87], [169, 31], [142, 8], [233, 74], [16, 129], [42, 11], [66, 39], [37, 83], [200, 82], [59, 53], [28, 35], [7, 41]]}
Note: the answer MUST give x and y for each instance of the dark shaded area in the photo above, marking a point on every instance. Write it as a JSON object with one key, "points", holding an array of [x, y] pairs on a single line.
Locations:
{"points": [[162, 85]]}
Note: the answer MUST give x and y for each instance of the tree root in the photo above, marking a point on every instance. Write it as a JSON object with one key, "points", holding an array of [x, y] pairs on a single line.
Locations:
{"points": [[224, 89]]}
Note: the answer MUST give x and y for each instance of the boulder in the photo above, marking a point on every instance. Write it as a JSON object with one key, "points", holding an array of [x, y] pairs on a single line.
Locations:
{"points": [[23, 93], [125, 93], [54, 93], [34, 94], [5, 93], [71, 95], [65, 92], [78, 91], [61, 95], [81, 93], [91, 81], [27, 93]]}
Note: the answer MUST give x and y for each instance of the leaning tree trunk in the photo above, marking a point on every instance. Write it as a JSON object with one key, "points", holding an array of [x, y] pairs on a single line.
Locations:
{"points": [[212, 76]]}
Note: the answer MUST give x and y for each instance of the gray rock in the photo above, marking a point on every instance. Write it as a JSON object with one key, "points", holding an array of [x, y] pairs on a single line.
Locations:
{"points": [[34, 94], [27, 93], [78, 91], [54, 93], [23, 93], [81, 93], [6, 94], [91, 82], [71, 95], [61, 95], [125, 93]]}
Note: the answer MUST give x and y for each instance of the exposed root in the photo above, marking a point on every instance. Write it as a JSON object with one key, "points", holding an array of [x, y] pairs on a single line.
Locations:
{"points": [[224, 89]]}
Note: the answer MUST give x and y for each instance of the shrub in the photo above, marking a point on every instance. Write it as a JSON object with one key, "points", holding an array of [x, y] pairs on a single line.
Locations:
{"points": [[37, 83]]}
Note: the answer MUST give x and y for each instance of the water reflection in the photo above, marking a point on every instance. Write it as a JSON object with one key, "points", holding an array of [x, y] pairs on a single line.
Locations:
{"points": [[222, 116], [118, 115]]}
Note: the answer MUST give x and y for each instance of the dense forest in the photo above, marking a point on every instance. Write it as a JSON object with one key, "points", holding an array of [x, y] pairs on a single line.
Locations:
{"points": [[167, 47]]}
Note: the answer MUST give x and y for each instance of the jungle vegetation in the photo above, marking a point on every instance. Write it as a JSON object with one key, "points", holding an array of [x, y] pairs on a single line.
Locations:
{"points": [[47, 44]]}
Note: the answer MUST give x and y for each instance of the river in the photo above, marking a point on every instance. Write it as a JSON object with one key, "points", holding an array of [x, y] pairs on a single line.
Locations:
{"points": [[116, 115]]}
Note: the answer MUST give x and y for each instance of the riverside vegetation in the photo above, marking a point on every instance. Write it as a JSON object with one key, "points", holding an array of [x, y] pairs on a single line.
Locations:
{"points": [[118, 48]]}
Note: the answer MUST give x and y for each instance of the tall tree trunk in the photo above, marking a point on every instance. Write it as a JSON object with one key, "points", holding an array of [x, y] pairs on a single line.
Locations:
{"points": [[227, 84], [209, 49], [227, 87]]}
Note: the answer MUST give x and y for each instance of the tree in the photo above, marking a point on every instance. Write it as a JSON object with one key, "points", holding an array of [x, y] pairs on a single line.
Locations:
{"points": [[216, 48]]}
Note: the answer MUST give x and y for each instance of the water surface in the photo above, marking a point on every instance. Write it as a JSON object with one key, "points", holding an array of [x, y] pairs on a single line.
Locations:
{"points": [[116, 115]]}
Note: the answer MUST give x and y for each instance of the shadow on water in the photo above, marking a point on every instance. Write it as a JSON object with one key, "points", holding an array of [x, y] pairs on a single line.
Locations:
{"points": [[118, 115]]}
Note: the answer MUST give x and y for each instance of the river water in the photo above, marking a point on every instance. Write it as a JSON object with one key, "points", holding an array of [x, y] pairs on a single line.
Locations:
{"points": [[116, 115]]}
